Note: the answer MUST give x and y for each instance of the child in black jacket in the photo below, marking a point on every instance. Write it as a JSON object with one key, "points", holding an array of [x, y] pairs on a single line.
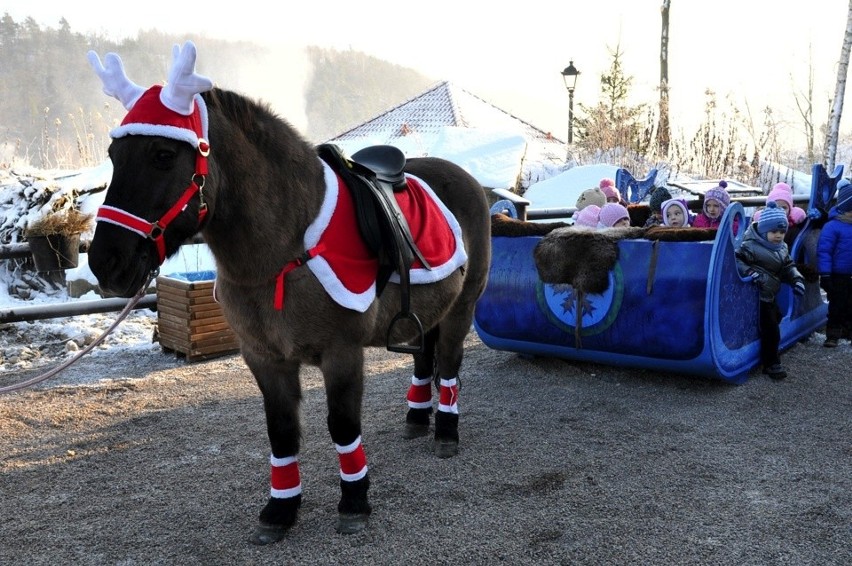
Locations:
{"points": [[763, 257]]}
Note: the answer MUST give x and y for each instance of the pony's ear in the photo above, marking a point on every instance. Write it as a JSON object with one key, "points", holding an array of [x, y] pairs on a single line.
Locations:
{"points": [[184, 83], [114, 79]]}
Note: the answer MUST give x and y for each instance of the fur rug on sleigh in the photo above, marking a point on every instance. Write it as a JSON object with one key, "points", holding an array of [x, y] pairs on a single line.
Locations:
{"points": [[593, 253]]}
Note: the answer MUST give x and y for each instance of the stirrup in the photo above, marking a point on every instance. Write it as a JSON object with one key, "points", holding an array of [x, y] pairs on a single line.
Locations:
{"points": [[407, 348]]}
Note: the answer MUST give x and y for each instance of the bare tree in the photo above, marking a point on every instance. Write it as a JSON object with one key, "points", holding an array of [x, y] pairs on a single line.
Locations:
{"points": [[837, 105], [663, 130], [805, 105]]}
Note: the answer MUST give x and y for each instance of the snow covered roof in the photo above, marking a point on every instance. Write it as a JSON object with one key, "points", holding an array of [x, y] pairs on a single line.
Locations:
{"points": [[444, 105], [449, 122]]}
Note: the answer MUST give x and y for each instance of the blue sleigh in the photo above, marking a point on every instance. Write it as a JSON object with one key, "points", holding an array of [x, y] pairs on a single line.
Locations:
{"points": [[674, 306]]}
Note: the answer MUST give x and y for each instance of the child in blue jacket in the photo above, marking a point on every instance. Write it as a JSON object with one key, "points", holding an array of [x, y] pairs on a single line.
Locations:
{"points": [[834, 262]]}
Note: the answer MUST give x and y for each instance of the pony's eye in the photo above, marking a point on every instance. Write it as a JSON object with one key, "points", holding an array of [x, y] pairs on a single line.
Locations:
{"points": [[164, 159]]}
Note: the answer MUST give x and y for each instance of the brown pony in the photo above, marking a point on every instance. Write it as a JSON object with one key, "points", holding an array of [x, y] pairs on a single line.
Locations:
{"points": [[189, 157]]}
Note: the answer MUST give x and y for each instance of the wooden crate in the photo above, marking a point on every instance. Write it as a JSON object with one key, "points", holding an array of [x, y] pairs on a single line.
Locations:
{"points": [[189, 320]]}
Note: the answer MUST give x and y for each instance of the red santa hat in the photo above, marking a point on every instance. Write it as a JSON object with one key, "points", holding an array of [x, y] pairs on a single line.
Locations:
{"points": [[151, 117], [174, 111]]}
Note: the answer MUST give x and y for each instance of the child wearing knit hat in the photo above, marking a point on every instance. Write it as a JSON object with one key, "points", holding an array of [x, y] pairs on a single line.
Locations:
{"points": [[613, 215], [588, 217], [676, 214], [591, 196], [716, 200], [782, 195], [608, 188], [763, 258], [834, 263], [659, 195]]}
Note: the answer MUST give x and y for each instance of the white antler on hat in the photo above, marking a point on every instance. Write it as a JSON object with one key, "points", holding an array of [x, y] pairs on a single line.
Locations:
{"points": [[183, 83], [175, 111], [116, 83]]}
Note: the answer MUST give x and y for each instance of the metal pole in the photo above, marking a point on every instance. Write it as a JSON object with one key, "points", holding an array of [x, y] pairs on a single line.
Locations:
{"points": [[72, 308], [570, 116]]}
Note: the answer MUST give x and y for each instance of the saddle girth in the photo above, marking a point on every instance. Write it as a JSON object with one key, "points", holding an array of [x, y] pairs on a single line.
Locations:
{"points": [[372, 175]]}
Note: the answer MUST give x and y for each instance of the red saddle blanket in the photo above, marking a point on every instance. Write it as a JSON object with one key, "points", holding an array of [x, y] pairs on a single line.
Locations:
{"points": [[347, 269]]}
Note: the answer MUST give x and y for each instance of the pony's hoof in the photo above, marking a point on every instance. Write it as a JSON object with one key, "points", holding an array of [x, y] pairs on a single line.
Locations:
{"points": [[267, 534], [349, 523], [415, 430], [446, 448]]}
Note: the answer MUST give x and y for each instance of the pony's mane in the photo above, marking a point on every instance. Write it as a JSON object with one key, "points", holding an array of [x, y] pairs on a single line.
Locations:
{"points": [[255, 119]]}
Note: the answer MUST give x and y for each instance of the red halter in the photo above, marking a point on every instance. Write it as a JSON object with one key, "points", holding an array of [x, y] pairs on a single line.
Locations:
{"points": [[155, 230]]}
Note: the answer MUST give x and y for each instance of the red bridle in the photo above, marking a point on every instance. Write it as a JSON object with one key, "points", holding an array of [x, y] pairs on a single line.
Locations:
{"points": [[155, 230]]}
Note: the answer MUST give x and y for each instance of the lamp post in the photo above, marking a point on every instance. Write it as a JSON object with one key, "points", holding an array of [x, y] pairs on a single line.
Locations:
{"points": [[569, 76]]}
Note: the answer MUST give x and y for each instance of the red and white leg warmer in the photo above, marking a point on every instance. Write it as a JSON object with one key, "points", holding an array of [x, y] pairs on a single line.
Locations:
{"points": [[353, 461], [420, 393], [449, 396], [284, 479]]}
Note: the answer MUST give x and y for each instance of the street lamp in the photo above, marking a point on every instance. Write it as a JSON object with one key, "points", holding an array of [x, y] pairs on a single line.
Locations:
{"points": [[569, 75]]}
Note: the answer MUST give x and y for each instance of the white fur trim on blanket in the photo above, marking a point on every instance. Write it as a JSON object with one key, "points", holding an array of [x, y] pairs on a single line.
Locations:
{"points": [[361, 301]]}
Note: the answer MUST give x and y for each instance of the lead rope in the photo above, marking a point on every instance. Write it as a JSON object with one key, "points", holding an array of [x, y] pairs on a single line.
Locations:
{"points": [[47, 375]]}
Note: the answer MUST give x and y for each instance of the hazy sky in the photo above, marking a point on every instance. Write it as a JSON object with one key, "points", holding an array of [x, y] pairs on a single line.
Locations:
{"points": [[512, 55]]}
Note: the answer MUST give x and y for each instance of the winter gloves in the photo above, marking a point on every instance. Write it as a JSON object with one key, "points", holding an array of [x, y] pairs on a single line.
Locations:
{"points": [[799, 288]]}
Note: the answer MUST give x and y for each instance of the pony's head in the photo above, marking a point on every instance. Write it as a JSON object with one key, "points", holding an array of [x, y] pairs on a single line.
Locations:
{"points": [[155, 199]]}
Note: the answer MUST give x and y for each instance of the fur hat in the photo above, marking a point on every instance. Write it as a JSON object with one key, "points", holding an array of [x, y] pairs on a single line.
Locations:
{"points": [[591, 196], [719, 194], [588, 217], [844, 196], [773, 217], [781, 191], [678, 204], [658, 196], [611, 213]]}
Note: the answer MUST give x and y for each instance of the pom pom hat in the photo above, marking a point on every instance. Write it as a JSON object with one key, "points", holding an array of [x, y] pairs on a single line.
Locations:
{"points": [[720, 195], [772, 218], [844, 196], [609, 190], [611, 213]]}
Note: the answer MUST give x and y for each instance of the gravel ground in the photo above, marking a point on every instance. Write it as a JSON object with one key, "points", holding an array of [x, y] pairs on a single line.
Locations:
{"points": [[166, 462]]}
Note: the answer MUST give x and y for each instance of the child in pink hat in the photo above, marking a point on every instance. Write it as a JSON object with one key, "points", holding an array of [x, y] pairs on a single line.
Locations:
{"points": [[588, 217], [608, 188], [782, 195], [613, 215], [716, 200]]}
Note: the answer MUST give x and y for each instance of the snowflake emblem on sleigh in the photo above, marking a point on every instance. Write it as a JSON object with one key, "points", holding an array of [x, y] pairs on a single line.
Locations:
{"points": [[560, 302], [570, 299]]}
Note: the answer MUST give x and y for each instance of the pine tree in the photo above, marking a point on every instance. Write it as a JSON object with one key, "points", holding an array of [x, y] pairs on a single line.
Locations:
{"points": [[613, 123]]}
